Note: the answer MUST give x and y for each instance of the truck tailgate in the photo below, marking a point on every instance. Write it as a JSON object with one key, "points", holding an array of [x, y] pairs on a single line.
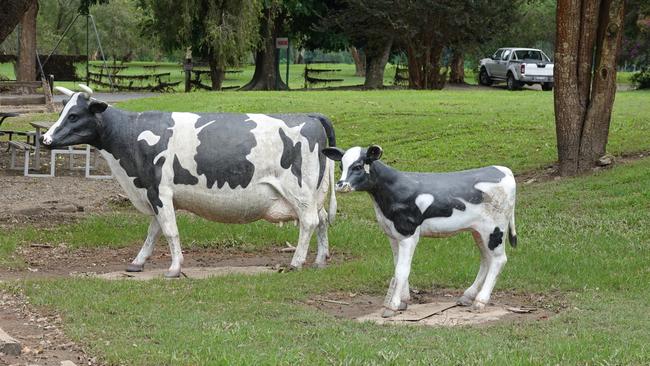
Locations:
{"points": [[541, 69]]}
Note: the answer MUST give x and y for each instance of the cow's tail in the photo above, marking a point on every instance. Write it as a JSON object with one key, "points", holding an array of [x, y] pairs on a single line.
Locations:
{"points": [[331, 142], [512, 231]]}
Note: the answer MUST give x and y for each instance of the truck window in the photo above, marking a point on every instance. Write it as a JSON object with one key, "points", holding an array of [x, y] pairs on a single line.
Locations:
{"points": [[528, 55], [505, 55], [497, 54]]}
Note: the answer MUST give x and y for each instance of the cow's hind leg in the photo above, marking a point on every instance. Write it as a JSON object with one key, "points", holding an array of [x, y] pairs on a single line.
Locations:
{"points": [[147, 248], [167, 219], [308, 219], [495, 253], [470, 294], [323, 242]]}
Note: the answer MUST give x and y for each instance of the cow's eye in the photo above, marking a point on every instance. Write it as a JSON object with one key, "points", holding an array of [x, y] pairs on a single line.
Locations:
{"points": [[72, 117]]}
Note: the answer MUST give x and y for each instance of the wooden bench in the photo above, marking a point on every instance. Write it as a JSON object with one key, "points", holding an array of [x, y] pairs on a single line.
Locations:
{"points": [[26, 149]]}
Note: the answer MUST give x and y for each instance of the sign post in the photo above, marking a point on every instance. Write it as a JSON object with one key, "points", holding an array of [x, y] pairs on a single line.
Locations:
{"points": [[282, 43]]}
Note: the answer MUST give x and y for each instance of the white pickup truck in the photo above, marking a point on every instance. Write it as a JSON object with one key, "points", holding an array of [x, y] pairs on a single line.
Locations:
{"points": [[517, 66]]}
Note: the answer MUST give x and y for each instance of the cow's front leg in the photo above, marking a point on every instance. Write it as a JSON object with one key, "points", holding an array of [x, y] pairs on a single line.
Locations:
{"points": [[470, 294], [167, 219], [322, 239], [147, 248], [308, 223], [402, 271]]}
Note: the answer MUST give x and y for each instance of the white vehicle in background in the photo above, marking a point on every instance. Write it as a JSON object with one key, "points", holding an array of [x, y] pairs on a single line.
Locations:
{"points": [[517, 66]]}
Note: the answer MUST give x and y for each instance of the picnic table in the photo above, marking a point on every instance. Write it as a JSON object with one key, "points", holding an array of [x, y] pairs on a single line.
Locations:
{"points": [[3, 116]]}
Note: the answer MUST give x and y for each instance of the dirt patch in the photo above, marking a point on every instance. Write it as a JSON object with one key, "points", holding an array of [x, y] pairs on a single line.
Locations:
{"points": [[44, 261], [42, 340], [51, 201], [504, 306], [188, 272]]}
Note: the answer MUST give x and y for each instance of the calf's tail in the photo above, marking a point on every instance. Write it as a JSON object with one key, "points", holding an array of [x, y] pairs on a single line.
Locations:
{"points": [[512, 231], [331, 142]]}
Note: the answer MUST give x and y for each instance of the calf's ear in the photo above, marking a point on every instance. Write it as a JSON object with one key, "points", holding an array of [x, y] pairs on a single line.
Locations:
{"points": [[333, 153], [97, 106], [373, 153], [65, 101]]}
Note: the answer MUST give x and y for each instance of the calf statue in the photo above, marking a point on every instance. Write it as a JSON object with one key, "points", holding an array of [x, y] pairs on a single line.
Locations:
{"points": [[411, 205], [226, 167]]}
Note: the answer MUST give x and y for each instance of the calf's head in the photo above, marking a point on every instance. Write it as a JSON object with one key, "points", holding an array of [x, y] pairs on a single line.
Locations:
{"points": [[355, 166], [79, 121]]}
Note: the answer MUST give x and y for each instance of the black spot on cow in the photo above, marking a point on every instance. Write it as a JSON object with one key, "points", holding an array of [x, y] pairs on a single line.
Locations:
{"points": [[316, 129], [182, 175], [119, 138], [224, 143], [395, 192], [496, 238], [291, 156]]}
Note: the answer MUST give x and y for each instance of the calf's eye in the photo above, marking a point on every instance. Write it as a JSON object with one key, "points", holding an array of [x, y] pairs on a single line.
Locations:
{"points": [[72, 117]]}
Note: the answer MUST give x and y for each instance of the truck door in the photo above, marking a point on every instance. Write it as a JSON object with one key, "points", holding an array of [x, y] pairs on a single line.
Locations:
{"points": [[496, 58], [501, 66]]}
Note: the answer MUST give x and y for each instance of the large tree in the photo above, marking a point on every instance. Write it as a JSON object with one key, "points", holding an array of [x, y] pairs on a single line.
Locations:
{"points": [[222, 32], [588, 39], [11, 14], [26, 65]]}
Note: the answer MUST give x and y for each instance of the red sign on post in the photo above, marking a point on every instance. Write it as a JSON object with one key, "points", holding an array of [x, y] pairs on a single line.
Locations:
{"points": [[282, 43]]}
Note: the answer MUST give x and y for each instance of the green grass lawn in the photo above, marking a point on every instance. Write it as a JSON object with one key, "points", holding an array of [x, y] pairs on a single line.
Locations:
{"points": [[583, 239]]}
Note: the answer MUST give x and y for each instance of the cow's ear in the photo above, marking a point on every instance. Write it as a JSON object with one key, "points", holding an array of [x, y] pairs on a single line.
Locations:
{"points": [[97, 106], [334, 153], [65, 101], [373, 153]]}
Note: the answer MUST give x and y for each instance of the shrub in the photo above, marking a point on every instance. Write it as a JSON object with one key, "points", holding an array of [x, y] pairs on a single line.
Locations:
{"points": [[642, 79]]}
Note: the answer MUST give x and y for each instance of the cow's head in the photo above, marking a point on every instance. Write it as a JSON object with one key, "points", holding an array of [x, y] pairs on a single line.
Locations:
{"points": [[355, 166], [79, 121]]}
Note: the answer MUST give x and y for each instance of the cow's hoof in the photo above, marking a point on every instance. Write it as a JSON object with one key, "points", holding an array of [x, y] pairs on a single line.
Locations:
{"points": [[294, 268], [319, 265], [402, 306], [478, 306], [388, 313], [464, 301], [134, 267], [173, 274]]}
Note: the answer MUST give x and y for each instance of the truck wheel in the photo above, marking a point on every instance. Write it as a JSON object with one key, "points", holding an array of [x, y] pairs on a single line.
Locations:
{"points": [[484, 78], [547, 86], [511, 83]]}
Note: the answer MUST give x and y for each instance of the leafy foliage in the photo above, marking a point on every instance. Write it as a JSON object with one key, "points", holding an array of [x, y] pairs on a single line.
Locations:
{"points": [[642, 79]]}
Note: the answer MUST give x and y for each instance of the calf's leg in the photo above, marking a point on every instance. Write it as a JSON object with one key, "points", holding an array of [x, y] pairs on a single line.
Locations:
{"points": [[494, 248], [323, 241], [405, 296], [470, 294], [402, 271], [147, 248]]}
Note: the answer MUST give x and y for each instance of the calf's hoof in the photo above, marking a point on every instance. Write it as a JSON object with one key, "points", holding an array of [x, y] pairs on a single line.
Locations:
{"points": [[402, 306], [295, 267], [318, 265], [464, 301], [173, 273], [478, 306], [135, 267], [388, 313]]}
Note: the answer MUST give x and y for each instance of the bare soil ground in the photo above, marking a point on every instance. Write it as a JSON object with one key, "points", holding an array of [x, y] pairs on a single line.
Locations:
{"points": [[524, 306]]}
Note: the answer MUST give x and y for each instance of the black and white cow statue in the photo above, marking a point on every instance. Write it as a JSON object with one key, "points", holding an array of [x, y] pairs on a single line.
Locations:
{"points": [[412, 205], [231, 168]]}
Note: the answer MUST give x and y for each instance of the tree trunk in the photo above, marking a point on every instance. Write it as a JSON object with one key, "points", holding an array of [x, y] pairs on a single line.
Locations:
{"points": [[217, 72], [26, 70], [588, 39], [359, 62], [457, 74], [267, 71], [424, 65], [376, 59], [11, 14]]}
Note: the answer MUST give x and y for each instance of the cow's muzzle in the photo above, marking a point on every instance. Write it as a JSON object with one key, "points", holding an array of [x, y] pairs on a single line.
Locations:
{"points": [[343, 187], [46, 140]]}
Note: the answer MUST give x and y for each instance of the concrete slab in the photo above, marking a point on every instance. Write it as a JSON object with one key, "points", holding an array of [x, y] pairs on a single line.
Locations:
{"points": [[445, 314], [8, 345], [189, 272]]}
